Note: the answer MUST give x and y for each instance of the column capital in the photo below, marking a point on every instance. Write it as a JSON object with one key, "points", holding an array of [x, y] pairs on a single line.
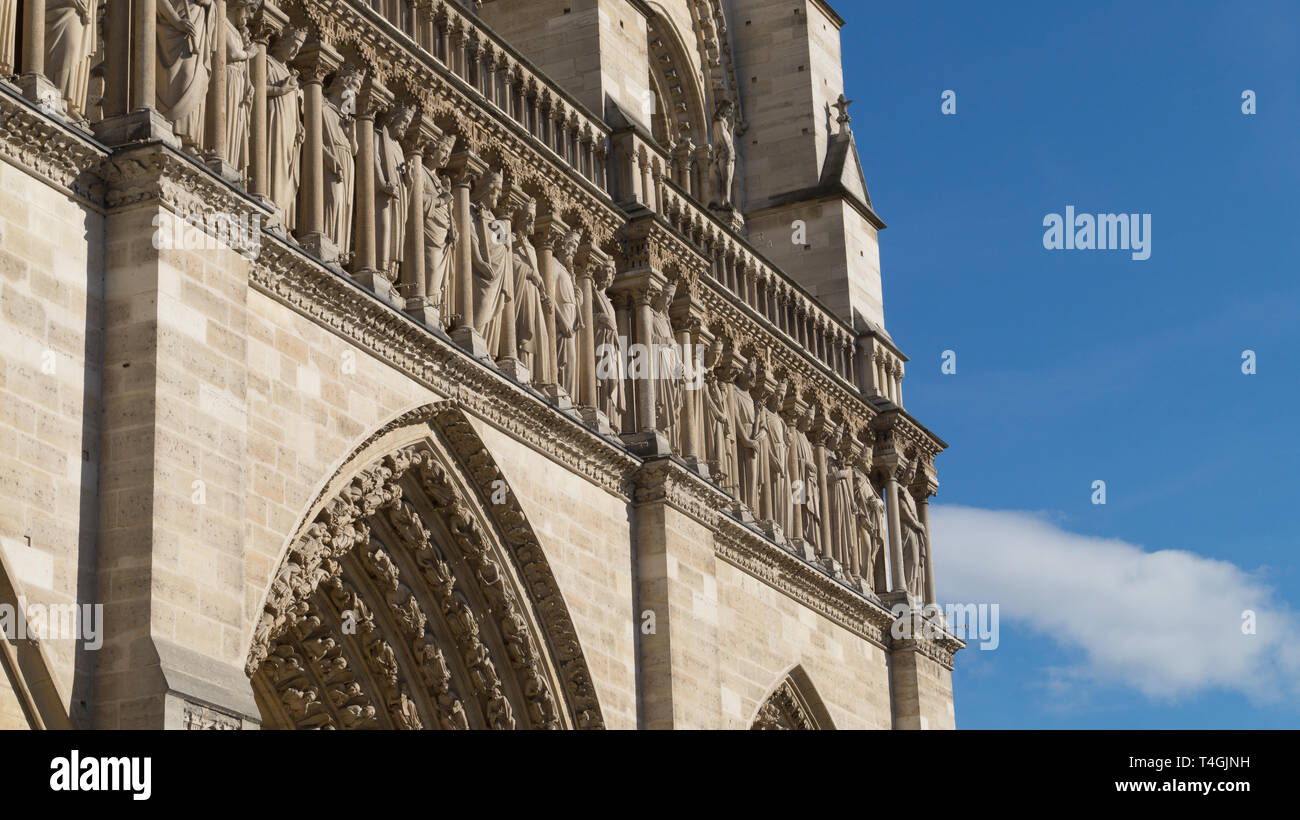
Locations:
{"points": [[374, 98], [465, 167], [267, 23], [550, 231], [316, 60]]}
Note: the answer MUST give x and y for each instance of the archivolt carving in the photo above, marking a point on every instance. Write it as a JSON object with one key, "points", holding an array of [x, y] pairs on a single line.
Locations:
{"points": [[793, 705], [398, 607]]}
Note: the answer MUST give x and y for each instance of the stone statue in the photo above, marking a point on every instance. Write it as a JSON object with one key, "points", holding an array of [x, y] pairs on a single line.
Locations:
{"points": [[844, 525], [439, 225], [776, 453], [803, 479], [913, 534], [535, 349], [719, 441], [391, 190], [186, 38], [490, 257], [10, 22], [284, 128], [238, 42], [568, 313], [70, 40], [611, 374], [751, 431], [723, 165], [666, 367], [870, 511], [339, 155]]}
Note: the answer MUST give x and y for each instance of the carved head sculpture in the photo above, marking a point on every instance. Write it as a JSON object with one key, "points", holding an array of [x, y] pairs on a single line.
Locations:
{"points": [[669, 293], [399, 119], [442, 150], [346, 86], [608, 272], [525, 219], [289, 43], [488, 190], [724, 111], [241, 11], [569, 246]]}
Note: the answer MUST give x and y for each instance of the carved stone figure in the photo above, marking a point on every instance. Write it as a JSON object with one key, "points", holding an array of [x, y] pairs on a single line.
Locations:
{"points": [[186, 36], [719, 441], [751, 432], [870, 511], [667, 367], [568, 313], [839, 506], [723, 165], [611, 374], [284, 129], [70, 39], [913, 535], [439, 225], [803, 475], [391, 190], [339, 156], [776, 454], [239, 45], [535, 349], [490, 257]]}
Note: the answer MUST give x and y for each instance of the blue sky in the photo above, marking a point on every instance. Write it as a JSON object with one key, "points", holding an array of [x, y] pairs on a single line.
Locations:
{"points": [[1076, 366]]}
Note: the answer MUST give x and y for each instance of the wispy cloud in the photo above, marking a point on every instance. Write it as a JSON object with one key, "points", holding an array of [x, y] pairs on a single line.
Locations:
{"points": [[1167, 623]]}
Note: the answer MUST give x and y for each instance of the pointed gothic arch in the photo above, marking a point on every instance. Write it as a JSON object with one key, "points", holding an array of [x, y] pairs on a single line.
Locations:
{"points": [[793, 704], [416, 595]]}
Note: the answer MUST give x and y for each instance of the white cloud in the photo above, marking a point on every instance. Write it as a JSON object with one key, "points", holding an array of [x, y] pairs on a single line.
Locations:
{"points": [[1167, 623]]}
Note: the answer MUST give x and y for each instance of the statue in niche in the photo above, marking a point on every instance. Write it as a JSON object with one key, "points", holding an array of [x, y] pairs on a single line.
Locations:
{"points": [[391, 190], [723, 163], [284, 128], [568, 313], [186, 37], [240, 48], [839, 489], [439, 224], [611, 374], [666, 367], [339, 155], [719, 441], [870, 511], [534, 348], [751, 432], [70, 40], [913, 534], [775, 454], [490, 257], [804, 488]]}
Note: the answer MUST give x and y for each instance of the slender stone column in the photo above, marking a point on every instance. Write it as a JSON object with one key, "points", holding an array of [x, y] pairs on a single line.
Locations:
{"points": [[645, 387], [215, 107], [923, 511], [35, 85], [550, 231], [825, 521], [8, 37], [587, 334], [144, 43], [257, 176], [373, 99], [314, 62], [690, 399], [34, 37], [623, 313], [892, 488]]}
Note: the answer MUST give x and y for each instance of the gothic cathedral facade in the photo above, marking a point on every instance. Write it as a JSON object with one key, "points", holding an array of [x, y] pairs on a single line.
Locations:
{"points": [[433, 364]]}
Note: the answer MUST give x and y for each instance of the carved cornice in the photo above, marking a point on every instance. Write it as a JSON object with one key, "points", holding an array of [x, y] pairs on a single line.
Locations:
{"points": [[48, 148], [335, 302]]}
